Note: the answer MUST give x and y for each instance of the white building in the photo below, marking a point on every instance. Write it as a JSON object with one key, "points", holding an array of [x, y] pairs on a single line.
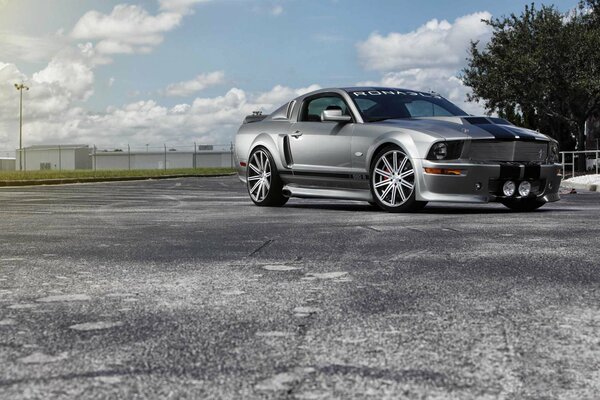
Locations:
{"points": [[7, 164], [57, 157], [161, 159], [71, 157]]}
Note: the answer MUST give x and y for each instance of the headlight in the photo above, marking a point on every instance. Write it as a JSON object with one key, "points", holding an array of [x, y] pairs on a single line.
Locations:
{"points": [[440, 151], [445, 150], [553, 153]]}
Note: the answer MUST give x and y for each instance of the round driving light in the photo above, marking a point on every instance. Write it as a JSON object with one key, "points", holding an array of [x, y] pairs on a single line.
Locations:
{"points": [[508, 188], [524, 188], [478, 186]]}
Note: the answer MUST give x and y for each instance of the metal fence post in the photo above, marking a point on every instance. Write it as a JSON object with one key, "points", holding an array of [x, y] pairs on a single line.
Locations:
{"points": [[596, 162], [24, 154], [194, 161], [165, 155], [231, 153], [59, 159], [573, 166], [94, 158], [128, 157]]}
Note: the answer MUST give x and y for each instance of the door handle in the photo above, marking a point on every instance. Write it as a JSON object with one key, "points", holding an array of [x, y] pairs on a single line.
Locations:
{"points": [[296, 134]]}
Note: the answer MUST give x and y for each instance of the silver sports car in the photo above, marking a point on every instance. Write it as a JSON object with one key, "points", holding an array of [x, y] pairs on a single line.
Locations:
{"points": [[394, 148]]}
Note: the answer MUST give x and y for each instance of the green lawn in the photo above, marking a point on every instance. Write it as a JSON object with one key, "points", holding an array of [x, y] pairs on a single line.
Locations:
{"points": [[148, 173]]}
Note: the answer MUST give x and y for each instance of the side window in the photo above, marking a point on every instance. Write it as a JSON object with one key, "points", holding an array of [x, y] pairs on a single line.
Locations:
{"points": [[311, 111]]}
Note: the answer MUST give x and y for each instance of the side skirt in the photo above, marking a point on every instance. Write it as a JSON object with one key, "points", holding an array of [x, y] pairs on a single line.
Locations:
{"points": [[313, 192]]}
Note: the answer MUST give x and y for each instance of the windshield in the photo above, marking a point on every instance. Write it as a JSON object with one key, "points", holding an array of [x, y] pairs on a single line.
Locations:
{"points": [[379, 105]]}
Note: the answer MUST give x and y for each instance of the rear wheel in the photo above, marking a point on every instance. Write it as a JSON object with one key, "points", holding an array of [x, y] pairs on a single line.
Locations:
{"points": [[393, 181], [523, 205], [263, 181]]}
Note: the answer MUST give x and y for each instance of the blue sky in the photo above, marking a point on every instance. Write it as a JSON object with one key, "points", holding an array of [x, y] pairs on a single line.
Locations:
{"points": [[91, 85]]}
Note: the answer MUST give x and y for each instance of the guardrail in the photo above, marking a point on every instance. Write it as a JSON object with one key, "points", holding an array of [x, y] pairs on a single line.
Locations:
{"points": [[592, 164]]}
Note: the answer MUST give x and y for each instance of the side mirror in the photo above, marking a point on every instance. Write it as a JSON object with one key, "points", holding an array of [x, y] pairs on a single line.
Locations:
{"points": [[335, 115]]}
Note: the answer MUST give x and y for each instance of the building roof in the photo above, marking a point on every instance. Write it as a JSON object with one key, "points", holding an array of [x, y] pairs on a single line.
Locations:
{"points": [[56, 146]]}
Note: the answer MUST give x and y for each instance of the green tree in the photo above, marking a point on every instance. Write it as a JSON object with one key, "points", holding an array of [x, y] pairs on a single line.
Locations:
{"points": [[541, 69]]}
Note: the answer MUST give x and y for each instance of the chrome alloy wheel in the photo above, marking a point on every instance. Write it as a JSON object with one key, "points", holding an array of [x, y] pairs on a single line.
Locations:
{"points": [[259, 176], [393, 178]]}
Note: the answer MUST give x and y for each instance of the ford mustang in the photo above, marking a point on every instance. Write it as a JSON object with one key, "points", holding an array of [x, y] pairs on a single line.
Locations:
{"points": [[394, 148]]}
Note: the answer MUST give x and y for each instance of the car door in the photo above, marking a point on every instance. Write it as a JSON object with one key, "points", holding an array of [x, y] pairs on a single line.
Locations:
{"points": [[320, 150]]}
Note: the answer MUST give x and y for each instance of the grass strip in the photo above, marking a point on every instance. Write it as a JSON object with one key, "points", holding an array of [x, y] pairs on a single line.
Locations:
{"points": [[10, 178]]}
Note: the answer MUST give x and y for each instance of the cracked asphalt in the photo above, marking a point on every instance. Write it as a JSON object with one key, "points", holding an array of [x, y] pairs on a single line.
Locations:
{"points": [[183, 289]]}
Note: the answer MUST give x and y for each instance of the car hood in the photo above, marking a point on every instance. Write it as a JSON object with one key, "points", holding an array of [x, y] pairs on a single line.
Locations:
{"points": [[465, 128]]}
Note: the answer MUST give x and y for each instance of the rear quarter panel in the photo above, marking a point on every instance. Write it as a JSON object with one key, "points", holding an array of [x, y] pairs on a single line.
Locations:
{"points": [[267, 134]]}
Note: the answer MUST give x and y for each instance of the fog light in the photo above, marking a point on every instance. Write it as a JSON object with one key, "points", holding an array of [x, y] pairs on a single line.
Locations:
{"points": [[478, 186], [524, 188], [508, 188]]}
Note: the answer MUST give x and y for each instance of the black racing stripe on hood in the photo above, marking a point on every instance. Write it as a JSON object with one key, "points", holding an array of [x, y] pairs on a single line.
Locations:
{"points": [[506, 132], [498, 131]]}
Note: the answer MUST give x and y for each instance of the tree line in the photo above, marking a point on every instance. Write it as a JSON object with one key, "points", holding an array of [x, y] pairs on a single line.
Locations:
{"points": [[541, 70]]}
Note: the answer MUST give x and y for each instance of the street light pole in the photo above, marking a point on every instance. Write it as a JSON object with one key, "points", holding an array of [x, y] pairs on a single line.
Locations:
{"points": [[20, 88]]}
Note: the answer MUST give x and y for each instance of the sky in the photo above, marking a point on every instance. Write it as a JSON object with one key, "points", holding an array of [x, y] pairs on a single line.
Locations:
{"points": [[113, 72]]}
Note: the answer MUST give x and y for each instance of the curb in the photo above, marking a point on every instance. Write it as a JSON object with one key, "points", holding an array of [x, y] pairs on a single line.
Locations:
{"points": [[580, 186], [66, 181]]}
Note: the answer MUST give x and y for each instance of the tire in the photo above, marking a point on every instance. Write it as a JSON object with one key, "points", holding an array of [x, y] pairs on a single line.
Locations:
{"points": [[393, 181], [263, 181], [523, 205]]}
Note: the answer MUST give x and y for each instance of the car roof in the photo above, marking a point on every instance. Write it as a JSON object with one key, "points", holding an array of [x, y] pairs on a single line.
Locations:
{"points": [[377, 88]]}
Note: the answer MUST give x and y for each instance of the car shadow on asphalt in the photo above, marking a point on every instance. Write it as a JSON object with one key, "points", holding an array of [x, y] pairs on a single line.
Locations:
{"points": [[430, 209]]}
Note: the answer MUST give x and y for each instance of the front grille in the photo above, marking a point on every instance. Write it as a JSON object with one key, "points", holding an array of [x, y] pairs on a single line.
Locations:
{"points": [[517, 150]]}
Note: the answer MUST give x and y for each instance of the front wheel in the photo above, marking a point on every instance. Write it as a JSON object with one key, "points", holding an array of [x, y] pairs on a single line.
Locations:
{"points": [[523, 205], [393, 181], [263, 181]]}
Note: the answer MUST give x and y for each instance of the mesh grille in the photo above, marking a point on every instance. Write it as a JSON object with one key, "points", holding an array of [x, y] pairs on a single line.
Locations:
{"points": [[492, 150]]}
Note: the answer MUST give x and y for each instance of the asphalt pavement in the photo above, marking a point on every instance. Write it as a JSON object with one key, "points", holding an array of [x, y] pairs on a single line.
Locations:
{"points": [[183, 289]]}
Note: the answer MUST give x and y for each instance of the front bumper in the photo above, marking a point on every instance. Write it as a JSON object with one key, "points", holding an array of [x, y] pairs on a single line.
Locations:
{"points": [[482, 182]]}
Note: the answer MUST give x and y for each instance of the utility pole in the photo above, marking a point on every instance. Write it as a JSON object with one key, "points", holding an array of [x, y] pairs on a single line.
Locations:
{"points": [[20, 88]]}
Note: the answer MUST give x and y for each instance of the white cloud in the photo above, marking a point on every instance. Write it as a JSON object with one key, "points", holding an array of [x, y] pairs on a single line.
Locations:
{"points": [[180, 6], [15, 46], [428, 58], [127, 29], [68, 72], [197, 84], [277, 10], [435, 44], [54, 110], [280, 94], [53, 113]]}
